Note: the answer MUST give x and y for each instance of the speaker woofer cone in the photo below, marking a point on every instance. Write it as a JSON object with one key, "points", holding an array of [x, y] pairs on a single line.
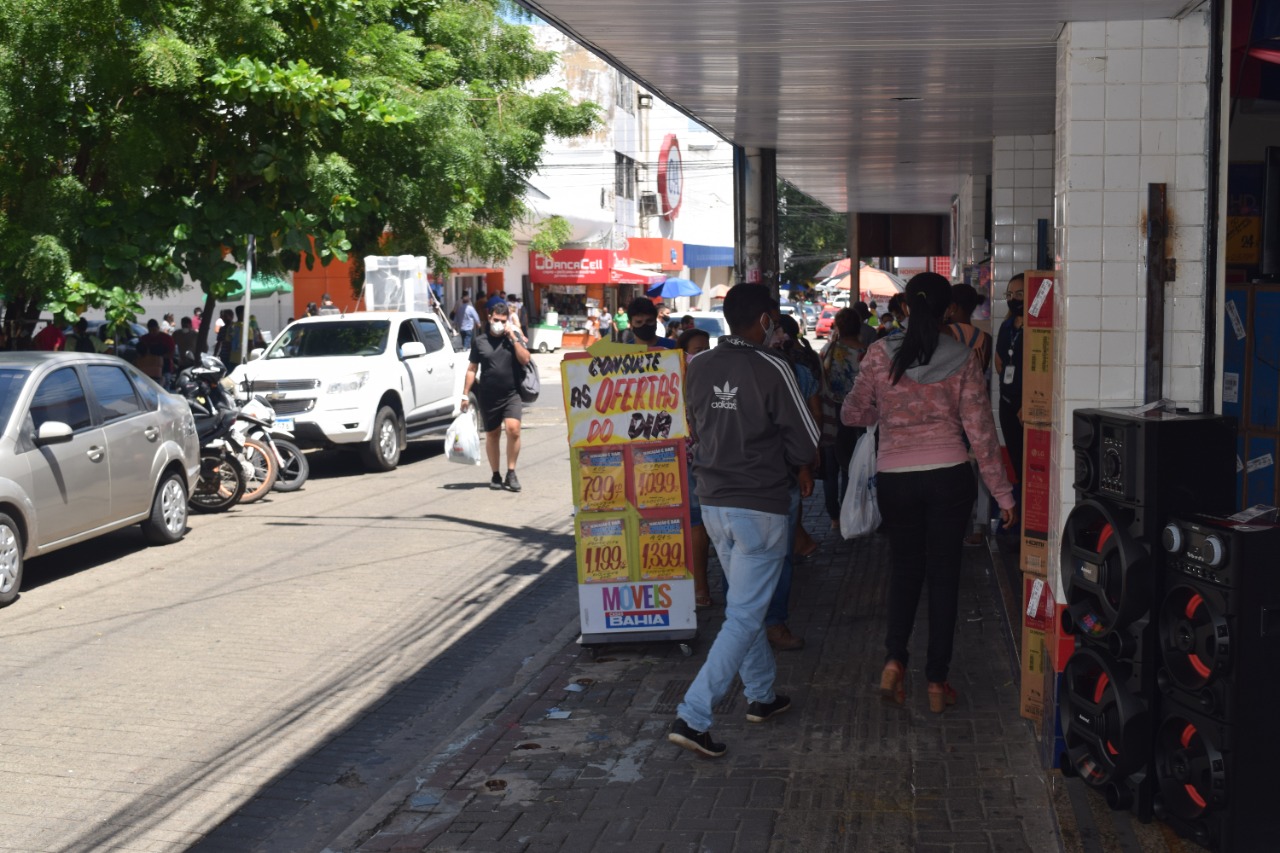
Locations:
{"points": [[1195, 638]]}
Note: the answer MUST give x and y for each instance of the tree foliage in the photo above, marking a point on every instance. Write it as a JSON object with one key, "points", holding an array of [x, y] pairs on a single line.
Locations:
{"points": [[811, 234], [143, 141]]}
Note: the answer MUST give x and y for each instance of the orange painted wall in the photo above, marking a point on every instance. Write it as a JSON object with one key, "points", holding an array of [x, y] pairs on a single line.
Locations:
{"points": [[310, 285]]}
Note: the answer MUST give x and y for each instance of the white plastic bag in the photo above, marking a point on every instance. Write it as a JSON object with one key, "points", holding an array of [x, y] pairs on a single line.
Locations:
{"points": [[462, 440], [860, 512]]}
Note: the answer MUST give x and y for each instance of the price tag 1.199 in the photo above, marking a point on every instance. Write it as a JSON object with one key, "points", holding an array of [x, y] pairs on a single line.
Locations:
{"points": [[602, 551]]}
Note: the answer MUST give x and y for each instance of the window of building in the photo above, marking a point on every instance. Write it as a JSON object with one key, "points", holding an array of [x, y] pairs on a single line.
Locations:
{"points": [[626, 95], [624, 176]]}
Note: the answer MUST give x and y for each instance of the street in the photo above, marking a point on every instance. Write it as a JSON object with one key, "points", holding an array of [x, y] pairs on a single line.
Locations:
{"points": [[260, 684]]}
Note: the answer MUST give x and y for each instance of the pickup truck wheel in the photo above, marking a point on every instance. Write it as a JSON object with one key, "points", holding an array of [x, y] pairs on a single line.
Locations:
{"points": [[383, 450]]}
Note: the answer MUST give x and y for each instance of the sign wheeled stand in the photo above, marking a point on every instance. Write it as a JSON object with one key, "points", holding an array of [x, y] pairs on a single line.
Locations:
{"points": [[628, 458]]}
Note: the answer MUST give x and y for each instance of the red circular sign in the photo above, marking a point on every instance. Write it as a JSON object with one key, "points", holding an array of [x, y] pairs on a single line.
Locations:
{"points": [[670, 177]]}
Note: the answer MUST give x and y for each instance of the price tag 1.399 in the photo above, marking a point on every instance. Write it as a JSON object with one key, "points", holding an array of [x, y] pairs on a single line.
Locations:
{"points": [[662, 549]]}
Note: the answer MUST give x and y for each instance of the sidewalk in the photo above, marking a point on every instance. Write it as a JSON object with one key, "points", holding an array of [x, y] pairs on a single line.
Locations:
{"points": [[842, 771]]}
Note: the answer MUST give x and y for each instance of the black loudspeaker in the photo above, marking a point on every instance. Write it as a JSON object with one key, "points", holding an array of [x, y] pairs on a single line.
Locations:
{"points": [[1133, 472], [1176, 462], [1217, 753]]}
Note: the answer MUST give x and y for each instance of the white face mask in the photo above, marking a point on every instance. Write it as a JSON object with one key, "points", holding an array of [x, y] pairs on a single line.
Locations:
{"points": [[772, 332], [498, 327]]}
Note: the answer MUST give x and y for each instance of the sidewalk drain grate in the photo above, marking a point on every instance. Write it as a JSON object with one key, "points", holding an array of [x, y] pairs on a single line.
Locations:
{"points": [[673, 694]]}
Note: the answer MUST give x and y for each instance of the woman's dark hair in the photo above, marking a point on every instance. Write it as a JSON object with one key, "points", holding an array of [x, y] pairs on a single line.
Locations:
{"points": [[802, 352], [927, 297], [966, 298], [689, 336], [847, 322]]}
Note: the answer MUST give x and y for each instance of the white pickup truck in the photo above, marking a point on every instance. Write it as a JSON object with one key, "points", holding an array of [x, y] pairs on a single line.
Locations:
{"points": [[367, 381]]}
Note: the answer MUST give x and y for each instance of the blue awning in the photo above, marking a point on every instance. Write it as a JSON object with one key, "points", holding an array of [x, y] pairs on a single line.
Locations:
{"points": [[698, 257]]}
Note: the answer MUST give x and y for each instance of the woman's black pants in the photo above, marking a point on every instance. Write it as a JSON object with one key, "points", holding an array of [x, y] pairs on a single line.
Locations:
{"points": [[926, 514]]}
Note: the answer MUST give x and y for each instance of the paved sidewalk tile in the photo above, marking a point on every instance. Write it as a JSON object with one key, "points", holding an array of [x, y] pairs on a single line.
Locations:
{"points": [[841, 771]]}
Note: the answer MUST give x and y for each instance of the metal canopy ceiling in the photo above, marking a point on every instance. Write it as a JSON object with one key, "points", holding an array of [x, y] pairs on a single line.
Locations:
{"points": [[817, 80]]}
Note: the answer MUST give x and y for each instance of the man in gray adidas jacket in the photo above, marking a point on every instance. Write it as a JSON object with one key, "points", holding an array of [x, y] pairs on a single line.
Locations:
{"points": [[754, 434]]}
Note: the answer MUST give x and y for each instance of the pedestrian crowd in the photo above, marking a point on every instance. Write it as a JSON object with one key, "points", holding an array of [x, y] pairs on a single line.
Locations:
{"points": [[769, 416], [165, 346]]}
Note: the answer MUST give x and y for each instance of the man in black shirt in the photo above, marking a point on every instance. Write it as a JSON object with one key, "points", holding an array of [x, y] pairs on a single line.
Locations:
{"points": [[500, 355], [1008, 364]]}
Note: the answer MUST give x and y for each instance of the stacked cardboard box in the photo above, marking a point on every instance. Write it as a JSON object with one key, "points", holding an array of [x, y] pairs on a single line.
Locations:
{"points": [[1037, 485]]}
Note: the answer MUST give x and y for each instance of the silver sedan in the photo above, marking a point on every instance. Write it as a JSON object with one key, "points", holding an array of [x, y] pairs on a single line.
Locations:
{"points": [[88, 444]]}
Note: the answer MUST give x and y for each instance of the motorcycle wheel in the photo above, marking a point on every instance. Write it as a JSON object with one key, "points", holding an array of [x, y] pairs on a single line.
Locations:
{"points": [[295, 468], [220, 485], [265, 470]]}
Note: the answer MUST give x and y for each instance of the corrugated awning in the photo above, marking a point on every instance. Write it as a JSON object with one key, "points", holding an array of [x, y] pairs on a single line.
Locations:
{"points": [[623, 274]]}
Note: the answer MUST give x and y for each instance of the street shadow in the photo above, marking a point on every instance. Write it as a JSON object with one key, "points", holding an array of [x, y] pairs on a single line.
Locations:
{"points": [[338, 464], [83, 557], [322, 790]]}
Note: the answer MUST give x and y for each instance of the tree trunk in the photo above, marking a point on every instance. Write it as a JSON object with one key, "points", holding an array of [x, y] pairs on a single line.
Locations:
{"points": [[207, 321]]}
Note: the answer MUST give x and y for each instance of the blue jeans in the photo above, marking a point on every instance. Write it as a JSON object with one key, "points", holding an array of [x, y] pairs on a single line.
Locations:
{"points": [[751, 546], [779, 603], [466, 339]]}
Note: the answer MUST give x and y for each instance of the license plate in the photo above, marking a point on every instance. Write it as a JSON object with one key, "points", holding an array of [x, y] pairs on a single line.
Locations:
{"points": [[285, 424]]}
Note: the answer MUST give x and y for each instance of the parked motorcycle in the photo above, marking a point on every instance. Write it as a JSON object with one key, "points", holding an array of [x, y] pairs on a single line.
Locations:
{"points": [[291, 462], [224, 470]]}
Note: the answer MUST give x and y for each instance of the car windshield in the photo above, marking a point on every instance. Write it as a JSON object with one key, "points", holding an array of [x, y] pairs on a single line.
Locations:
{"points": [[711, 325], [828, 315], [11, 381], [345, 338]]}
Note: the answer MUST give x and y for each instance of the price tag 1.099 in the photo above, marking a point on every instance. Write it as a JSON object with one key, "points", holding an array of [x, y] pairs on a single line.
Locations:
{"points": [[656, 473]]}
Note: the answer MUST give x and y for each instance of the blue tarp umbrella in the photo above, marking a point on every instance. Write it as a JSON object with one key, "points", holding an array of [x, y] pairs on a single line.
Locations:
{"points": [[673, 287]]}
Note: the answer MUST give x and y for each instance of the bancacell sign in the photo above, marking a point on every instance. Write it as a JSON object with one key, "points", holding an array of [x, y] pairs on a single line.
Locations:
{"points": [[571, 266]]}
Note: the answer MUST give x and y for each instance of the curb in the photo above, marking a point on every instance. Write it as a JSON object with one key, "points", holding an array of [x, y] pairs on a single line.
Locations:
{"points": [[467, 748]]}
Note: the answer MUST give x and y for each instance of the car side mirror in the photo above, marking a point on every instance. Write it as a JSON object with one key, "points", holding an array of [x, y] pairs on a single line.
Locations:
{"points": [[256, 353], [413, 349], [53, 432]]}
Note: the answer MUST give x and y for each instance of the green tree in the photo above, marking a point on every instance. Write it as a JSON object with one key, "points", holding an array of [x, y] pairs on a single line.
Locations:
{"points": [[143, 141], [811, 234]]}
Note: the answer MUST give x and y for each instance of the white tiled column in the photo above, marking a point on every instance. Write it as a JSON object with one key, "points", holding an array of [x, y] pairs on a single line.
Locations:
{"points": [[1021, 194], [1132, 106]]}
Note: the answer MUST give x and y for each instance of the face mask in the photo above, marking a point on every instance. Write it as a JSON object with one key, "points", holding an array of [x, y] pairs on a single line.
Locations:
{"points": [[497, 327], [773, 335], [1015, 307], [647, 332]]}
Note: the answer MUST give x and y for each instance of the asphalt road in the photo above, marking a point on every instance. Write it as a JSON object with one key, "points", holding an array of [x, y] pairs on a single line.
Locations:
{"points": [[259, 685]]}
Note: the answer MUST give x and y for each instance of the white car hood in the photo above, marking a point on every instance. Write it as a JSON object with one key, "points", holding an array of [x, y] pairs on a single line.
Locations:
{"points": [[315, 367]]}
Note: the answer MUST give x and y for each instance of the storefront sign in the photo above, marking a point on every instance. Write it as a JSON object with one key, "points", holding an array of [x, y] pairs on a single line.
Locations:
{"points": [[573, 266], [670, 177]]}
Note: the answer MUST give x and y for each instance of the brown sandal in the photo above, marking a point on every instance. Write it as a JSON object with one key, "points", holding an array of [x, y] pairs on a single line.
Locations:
{"points": [[940, 696], [893, 683]]}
